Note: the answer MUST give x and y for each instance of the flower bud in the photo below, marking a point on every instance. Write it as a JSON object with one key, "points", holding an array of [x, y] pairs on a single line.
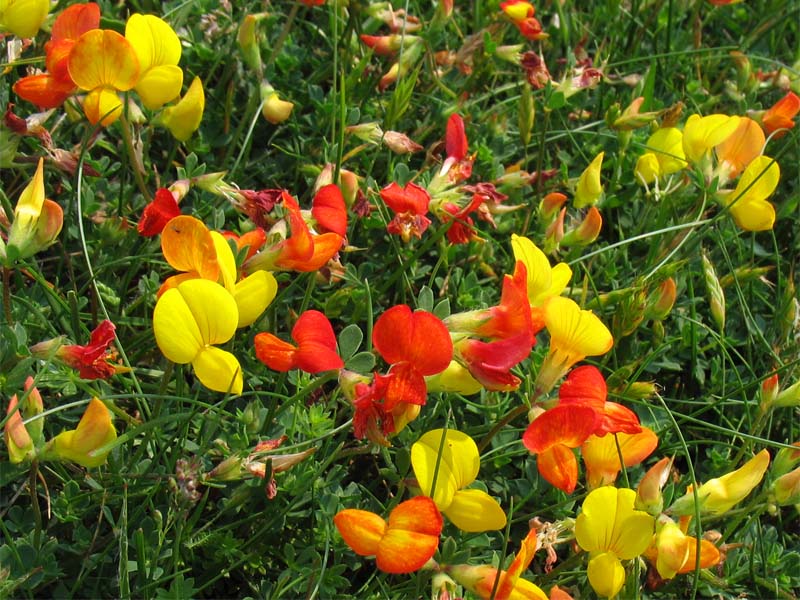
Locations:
{"points": [[716, 297], [785, 460], [400, 143], [786, 489], [273, 108], [788, 397], [249, 43], [648, 494], [550, 206], [589, 188], [586, 232], [661, 300]]}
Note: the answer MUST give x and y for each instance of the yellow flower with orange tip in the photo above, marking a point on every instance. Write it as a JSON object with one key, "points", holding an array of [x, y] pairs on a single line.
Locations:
{"points": [[673, 552], [748, 202], [188, 321], [183, 119], [190, 247], [648, 492], [273, 108], [719, 495], [158, 50], [21, 439], [574, 335], [611, 530], [701, 134], [480, 579], [80, 445], [589, 189], [470, 510], [102, 62], [37, 221], [23, 18], [543, 280], [601, 455]]}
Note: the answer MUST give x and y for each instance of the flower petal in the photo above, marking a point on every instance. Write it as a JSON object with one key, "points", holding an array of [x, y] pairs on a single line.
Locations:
{"points": [[474, 511], [568, 425], [94, 430], [329, 209], [102, 105], [559, 467], [361, 530], [316, 343], [412, 536], [176, 331], [606, 574], [218, 370], [188, 246], [183, 118], [103, 58], [253, 295], [153, 40], [160, 85], [274, 352]]}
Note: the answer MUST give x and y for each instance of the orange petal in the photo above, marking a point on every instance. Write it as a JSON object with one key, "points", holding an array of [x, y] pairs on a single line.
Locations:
{"points": [[102, 105], [75, 20], [559, 466], [103, 58], [563, 425], [709, 555], [361, 530], [188, 246], [275, 353], [43, 90], [412, 537]]}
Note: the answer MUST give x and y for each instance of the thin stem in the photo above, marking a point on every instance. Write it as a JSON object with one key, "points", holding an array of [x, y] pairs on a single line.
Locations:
{"points": [[131, 152], [7, 295]]}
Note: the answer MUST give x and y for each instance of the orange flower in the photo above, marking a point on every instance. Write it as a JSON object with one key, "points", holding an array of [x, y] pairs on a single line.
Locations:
{"points": [[416, 344], [602, 458], [781, 115], [315, 351], [404, 544], [103, 63]]}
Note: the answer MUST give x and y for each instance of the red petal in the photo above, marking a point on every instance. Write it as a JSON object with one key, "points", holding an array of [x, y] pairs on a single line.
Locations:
{"points": [[563, 425], [559, 466], [411, 199], [158, 213], [456, 138], [406, 384], [316, 343], [419, 338], [490, 362], [513, 315], [618, 418], [43, 90], [274, 352], [329, 210], [75, 20], [391, 334], [585, 386], [299, 247]]}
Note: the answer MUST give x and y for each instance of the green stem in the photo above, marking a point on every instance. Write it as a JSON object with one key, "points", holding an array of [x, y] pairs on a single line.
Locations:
{"points": [[37, 511], [510, 416], [7, 295], [130, 150]]}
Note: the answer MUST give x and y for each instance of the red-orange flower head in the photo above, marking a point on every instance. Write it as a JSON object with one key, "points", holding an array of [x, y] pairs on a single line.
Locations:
{"points": [[404, 544], [315, 351], [410, 205], [582, 411], [158, 213], [51, 88], [458, 165], [490, 363], [93, 360], [781, 115], [416, 344], [329, 210]]}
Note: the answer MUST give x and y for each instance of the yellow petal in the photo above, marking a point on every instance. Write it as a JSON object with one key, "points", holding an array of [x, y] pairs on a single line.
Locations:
{"points": [[153, 40], [700, 134], [589, 187], [747, 203], [667, 146], [218, 370], [176, 331], [29, 205], [253, 294], [226, 260], [184, 118], [102, 105], [213, 308], [673, 549], [575, 331], [647, 168], [455, 379], [23, 18], [475, 511], [160, 85], [457, 467], [188, 246], [103, 58], [606, 574], [536, 265]]}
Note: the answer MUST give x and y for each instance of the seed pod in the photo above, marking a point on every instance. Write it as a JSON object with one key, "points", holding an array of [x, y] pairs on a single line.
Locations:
{"points": [[716, 297]]}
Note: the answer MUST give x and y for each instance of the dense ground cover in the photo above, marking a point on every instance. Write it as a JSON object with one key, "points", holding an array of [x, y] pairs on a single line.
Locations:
{"points": [[521, 281]]}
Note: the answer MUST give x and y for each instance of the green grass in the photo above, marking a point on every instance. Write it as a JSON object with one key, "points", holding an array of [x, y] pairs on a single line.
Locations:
{"points": [[150, 524]]}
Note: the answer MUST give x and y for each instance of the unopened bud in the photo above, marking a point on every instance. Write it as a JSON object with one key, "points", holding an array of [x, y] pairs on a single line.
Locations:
{"points": [[786, 489], [786, 459], [587, 231], [400, 143], [631, 118], [512, 54], [249, 43], [716, 297], [788, 397], [550, 206], [273, 108], [648, 494], [661, 300], [769, 392]]}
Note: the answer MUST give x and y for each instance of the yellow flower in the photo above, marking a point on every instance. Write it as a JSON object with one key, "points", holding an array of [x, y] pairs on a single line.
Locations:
{"points": [[748, 202], [543, 280], [589, 187], [188, 321], [274, 109], [183, 119], [158, 49], [720, 494], [665, 155], [80, 445], [103, 62], [574, 335], [23, 18], [470, 510], [610, 529]]}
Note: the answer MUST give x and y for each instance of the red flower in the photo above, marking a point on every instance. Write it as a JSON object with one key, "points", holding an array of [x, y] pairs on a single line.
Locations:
{"points": [[585, 386], [94, 360], [416, 344], [458, 165], [303, 251], [410, 205], [781, 115], [371, 420], [158, 213], [491, 362], [315, 351]]}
